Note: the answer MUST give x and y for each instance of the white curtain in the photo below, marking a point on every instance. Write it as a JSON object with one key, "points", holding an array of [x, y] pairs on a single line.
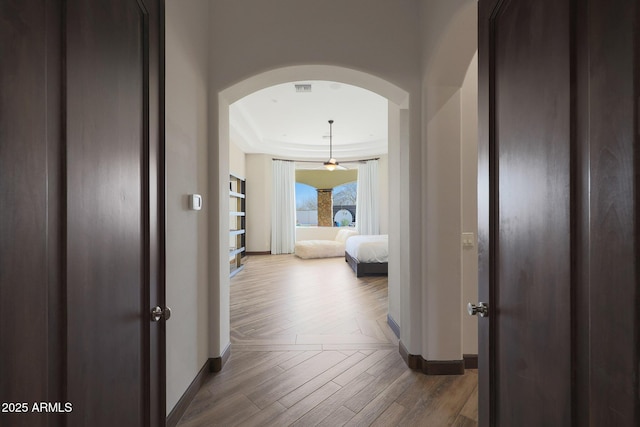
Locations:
{"points": [[367, 212], [283, 207]]}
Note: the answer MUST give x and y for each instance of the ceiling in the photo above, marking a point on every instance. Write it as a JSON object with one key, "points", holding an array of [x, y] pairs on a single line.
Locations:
{"points": [[283, 122]]}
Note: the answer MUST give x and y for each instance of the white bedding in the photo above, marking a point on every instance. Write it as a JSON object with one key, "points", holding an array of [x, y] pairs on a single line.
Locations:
{"points": [[369, 248]]}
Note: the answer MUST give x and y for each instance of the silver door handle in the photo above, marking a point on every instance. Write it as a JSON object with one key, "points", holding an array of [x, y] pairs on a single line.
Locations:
{"points": [[481, 309], [158, 313]]}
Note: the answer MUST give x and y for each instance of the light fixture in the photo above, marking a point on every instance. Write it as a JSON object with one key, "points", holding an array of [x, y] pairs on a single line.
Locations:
{"points": [[331, 164]]}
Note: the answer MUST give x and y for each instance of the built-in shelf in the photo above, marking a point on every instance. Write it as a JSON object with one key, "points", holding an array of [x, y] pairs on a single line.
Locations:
{"points": [[235, 252], [237, 223]]}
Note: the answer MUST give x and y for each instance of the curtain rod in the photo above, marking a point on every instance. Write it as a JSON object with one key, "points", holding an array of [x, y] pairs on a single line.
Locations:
{"points": [[319, 161]]}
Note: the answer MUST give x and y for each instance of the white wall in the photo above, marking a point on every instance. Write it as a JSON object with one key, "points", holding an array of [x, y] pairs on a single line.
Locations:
{"points": [[186, 141], [393, 227], [237, 160], [449, 43], [259, 175], [442, 228], [469, 142]]}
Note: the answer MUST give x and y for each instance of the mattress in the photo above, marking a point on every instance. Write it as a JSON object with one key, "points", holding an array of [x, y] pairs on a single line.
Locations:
{"points": [[368, 248]]}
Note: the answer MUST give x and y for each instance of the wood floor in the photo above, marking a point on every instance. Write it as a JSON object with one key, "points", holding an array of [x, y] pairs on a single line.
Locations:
{"points": [[310, 345]]}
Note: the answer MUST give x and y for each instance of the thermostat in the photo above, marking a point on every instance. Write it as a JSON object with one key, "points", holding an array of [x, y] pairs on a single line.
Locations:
{"points": [[195, 202]]}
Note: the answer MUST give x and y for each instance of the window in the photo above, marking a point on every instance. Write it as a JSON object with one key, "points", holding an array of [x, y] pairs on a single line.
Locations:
{"points": [[306, 205], [344, 204]]}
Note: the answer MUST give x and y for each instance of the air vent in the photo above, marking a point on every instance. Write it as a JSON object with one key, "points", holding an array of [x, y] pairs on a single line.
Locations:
{"points": [[303, 88]]}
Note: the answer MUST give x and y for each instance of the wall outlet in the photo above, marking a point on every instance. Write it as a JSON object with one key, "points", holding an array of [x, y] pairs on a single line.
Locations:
{"points": [[468, 240]]}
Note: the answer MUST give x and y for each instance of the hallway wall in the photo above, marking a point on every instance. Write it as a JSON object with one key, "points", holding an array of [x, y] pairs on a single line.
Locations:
{"points": [[469, 163], [449, 41], [186, 145]]}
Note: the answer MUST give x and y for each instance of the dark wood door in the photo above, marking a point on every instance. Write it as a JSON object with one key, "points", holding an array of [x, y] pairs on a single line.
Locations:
{"points": [[107, 197], [81, 193], [557, 195], [531, 195], [31, 336]]}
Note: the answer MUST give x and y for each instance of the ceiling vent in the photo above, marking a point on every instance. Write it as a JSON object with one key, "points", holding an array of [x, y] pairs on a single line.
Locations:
{"points": [[303, 88]]}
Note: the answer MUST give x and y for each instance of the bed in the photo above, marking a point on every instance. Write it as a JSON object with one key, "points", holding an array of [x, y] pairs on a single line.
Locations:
{"points": [[367, 254]]}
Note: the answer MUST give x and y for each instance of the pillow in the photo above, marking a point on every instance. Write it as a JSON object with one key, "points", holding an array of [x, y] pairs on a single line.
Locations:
{"points": [[344, 234]]}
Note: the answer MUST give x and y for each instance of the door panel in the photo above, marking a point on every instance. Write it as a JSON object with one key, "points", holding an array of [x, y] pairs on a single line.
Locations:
{"points": [[558, 209], [106, 280], [81, 225], [29, 207], [532, 145], [611, 148]]}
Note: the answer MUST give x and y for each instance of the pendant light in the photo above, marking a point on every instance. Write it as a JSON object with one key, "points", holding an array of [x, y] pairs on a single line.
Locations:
{"points": [[331, 164]]}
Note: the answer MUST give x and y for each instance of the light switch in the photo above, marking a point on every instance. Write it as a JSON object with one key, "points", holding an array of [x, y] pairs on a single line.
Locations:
{"points": [[195, 202], [468, 240]]}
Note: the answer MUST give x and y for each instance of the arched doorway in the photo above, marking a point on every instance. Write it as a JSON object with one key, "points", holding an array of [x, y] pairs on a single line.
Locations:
{"points": [[398, 137]]}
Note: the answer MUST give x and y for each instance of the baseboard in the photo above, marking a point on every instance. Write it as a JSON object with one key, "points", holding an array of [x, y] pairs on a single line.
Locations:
{"points": [[393, 325], [431, 367], [212, 365], [259, 253], [413, 361], [470, 361], [178, 411], [218, 362], [443, 367]]}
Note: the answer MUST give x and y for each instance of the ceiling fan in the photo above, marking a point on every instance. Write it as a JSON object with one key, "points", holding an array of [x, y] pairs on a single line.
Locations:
{"points": [[331, 164]]}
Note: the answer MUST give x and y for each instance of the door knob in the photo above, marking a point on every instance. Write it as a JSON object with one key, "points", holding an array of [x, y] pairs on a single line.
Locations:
{"points": [[158, 313], [481, 309]]}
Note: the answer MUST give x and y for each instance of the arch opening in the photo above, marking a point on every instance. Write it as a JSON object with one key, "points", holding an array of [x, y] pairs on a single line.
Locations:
{"points": [[398, 140]]}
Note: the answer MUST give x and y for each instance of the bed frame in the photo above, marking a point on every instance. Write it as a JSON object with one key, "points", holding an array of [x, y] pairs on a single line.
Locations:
{"points": [[366, 269]]}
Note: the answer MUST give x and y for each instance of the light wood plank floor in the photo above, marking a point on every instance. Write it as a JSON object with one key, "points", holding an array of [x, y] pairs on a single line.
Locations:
{"points": [[310, 345]]}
